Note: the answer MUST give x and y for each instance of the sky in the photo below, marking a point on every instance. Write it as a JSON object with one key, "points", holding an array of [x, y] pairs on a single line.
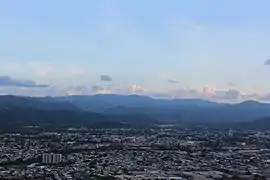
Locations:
{"points": [[209, 49]]}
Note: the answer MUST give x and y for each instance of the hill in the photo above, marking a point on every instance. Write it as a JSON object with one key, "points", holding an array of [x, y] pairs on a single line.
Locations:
{"points": [[258, 124], [36, 103]]}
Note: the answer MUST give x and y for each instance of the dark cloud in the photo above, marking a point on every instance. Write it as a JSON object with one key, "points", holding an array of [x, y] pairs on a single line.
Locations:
{"points": [[105, 78], [267, 62], [172, 81], [7, 81]]}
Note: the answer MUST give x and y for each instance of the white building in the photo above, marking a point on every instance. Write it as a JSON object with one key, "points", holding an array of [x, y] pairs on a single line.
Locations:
{"points": [[50, 158], [231, 133]]}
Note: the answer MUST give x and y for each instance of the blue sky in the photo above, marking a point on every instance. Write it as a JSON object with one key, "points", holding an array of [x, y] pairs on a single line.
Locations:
{"points": [[196, 48]]}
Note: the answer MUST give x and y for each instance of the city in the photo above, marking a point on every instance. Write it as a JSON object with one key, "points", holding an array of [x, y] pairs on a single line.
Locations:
{"points": [[155, 153]]}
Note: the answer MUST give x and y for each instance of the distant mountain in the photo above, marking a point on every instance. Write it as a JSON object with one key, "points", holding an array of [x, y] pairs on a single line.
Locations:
{"points": [[103, 102], [124, 110], [36, 103], [18, 112], [170, 110], [251, 104]]}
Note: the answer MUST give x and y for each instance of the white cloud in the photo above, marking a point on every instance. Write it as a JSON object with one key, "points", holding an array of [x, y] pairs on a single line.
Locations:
{"points": [[137, 89], [207, 92]]}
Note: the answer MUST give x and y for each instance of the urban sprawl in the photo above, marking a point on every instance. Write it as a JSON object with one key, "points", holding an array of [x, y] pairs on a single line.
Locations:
{"points": [[157, 153]]}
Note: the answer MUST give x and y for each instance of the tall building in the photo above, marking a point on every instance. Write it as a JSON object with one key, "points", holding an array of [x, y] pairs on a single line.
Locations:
{"points": [[51, 158], [231, 133]]}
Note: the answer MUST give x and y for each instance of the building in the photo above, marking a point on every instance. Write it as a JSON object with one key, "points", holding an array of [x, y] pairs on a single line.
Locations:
{"points": [[51, 158], [231, 133]]}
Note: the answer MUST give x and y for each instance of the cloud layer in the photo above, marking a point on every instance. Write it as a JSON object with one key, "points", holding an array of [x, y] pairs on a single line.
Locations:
{"points": [[15, 86], [30, 88], [8, 81], [208, 92]]}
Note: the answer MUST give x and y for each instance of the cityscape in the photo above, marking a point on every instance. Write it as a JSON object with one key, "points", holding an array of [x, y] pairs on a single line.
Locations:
{"points": [[167, 152]]}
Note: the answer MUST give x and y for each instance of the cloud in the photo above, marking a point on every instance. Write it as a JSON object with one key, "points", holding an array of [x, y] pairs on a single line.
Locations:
{"points": [[267, 62], [83, 90], [105, 78], [209, 89], [264, 97], [254, 96], [77, 90], [231, 84], [101, 90], [231, 94], [30, 88], [208, 92], [105, 91], [172, 81], [7, 81], [137, 89]]}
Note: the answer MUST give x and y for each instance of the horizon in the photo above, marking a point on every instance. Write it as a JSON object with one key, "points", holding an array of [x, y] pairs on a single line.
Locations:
{"points": [[200, 49], [145, 96]]}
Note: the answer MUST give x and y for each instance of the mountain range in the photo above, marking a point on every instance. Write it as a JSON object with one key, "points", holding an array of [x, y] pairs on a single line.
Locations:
{"points": [[170, 110], [110, 110], [102, 102]]}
